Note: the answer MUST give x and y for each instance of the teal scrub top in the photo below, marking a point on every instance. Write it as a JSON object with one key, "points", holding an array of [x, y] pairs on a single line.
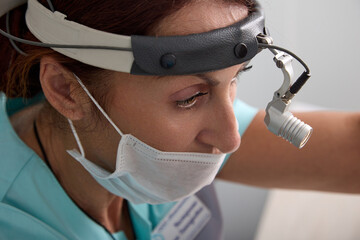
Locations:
{"points": [[33, 205]]}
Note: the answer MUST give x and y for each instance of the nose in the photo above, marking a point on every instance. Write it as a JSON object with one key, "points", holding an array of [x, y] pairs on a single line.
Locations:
{"points": [[221, 129]]}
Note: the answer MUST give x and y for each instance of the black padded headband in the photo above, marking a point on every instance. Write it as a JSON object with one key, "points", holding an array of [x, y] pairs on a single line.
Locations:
{"points": [[197, 53]]}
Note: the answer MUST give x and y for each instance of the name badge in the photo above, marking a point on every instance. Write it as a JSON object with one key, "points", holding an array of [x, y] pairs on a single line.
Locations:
{"points": [[184, 221]]}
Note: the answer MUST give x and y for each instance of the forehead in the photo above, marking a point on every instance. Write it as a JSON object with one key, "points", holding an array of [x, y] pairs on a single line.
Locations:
{"points": [[201, 16]]}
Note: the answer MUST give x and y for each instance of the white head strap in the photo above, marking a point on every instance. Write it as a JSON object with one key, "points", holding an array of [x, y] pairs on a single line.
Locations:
{"points": [[52, 27]]}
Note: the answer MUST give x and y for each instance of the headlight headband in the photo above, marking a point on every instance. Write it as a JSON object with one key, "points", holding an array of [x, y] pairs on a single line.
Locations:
{"points": [[147, 55]]}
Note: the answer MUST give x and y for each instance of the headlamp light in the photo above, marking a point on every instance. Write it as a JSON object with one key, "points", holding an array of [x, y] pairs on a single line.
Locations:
{"points": [[278, 119]]}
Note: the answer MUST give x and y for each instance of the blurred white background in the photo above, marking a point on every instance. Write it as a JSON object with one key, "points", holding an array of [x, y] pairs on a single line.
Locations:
{"points": [[325, 34]]}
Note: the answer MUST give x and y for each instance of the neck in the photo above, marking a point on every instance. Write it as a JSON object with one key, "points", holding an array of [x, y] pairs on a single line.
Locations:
{"points": [[103, 207]]}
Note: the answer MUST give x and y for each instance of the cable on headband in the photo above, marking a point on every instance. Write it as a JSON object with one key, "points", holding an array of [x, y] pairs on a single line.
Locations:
{"points": [[14, 39], [54, 45], [13, 44], [51, 6], [303, 77]]}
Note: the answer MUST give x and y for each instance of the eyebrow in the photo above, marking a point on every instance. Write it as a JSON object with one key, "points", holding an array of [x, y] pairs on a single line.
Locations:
{"points": [[212, 81], [203, 76], [207, 79]]}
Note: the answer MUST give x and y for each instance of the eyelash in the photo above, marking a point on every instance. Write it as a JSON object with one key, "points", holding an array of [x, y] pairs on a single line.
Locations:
{"points": [[190, 102]]}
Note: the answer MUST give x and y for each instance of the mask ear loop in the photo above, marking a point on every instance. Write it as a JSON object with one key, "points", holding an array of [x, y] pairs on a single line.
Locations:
{"points": [[98, 105], [76, 138]]}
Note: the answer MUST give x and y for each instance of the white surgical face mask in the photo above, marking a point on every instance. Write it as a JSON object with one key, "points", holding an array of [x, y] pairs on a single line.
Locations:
{"points": [[144, 174]]}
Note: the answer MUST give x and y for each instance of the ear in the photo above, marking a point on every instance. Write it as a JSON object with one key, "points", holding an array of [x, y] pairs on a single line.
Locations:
{"points": [[59, 86]]}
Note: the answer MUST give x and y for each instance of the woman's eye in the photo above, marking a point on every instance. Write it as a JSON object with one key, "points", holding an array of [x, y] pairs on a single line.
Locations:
{"points": [[188, 103]]}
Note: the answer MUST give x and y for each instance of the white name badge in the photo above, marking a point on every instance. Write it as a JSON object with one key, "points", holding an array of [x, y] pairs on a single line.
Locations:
{"points": [[184, 221]]}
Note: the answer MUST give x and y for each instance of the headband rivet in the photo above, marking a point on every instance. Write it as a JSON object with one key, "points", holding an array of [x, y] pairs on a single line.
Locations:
{"points": [[240, 50], [168, 60]]}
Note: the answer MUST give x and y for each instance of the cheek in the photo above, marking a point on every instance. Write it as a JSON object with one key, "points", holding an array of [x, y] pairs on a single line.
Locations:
{"points": [[170, 130], [154, 121], [175, 137]]}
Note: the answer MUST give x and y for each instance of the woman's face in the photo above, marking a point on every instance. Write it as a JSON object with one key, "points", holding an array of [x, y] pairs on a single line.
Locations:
{"points": [[182, 113]]}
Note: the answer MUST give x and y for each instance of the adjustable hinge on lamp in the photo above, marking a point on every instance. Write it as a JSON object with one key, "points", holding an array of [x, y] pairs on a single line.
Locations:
{"points": [[278, 119]]}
